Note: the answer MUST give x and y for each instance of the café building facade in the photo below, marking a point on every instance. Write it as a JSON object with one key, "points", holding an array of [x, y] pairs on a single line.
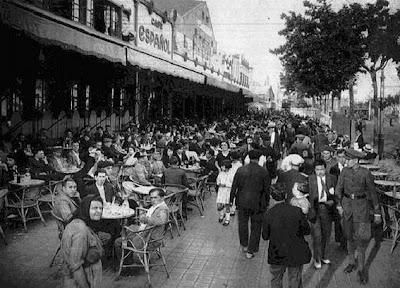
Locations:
{"points": [[70, 63]]}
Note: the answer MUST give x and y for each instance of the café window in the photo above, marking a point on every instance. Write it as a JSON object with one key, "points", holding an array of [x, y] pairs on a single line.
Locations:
{"points": [[89, 13], [112, 98], [75, 10], [74, 97], [122, 98], [16, 103], [112, 19], [87, 97], [40, 95]]}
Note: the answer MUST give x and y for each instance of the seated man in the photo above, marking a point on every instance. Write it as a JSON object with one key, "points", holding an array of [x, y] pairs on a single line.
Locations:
{"points": [[105, 190], [74, 157], [57, 162], [40, 168], [66, 201], [139, 172], [157, 214]]}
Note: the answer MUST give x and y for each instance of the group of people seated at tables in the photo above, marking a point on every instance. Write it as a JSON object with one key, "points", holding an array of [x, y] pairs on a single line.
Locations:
{"points": [[156, 154]]}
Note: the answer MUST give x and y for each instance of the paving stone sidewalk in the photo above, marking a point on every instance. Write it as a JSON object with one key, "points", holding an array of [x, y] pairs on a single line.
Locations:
{"points": [[206, 255]]}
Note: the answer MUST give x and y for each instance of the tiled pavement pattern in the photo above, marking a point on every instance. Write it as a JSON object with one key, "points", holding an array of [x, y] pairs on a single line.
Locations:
{"points": [[206, 255]]}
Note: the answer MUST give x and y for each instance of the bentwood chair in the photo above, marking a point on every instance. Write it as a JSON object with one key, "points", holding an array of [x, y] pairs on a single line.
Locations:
{"points": [[144, 244]]}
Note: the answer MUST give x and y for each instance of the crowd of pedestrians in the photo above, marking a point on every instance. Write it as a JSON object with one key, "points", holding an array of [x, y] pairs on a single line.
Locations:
{"points": [[287, 176]]}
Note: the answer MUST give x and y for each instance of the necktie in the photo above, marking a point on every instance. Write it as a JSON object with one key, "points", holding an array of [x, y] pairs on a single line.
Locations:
{"points": [[323, 192]]}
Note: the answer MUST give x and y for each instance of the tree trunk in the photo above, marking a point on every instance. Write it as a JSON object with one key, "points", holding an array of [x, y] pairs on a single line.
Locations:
{"points": [[376, 106], [351, 98]]}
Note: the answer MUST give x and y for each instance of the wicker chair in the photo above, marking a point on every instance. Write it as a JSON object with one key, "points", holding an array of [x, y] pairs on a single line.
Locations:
{"points": [[146, 246], [196, 193], [174, 199], [23, 200], [391, 222]]}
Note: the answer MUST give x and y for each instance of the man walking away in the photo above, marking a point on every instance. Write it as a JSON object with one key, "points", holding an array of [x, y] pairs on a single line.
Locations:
{"points": [[250, 189], [285, 227]]}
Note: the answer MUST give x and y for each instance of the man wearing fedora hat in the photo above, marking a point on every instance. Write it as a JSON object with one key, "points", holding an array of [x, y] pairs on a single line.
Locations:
{"points": [[355, 191]]}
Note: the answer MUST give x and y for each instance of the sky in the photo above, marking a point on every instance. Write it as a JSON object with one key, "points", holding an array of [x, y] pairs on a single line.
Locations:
{"points": [[251, 27]]}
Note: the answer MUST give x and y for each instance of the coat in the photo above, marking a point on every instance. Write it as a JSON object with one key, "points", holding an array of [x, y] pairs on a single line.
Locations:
{"points": [[75, 243], [313, 194], [359, 182], [285, 227], [108, 191], [250, 187], [175, 175]]}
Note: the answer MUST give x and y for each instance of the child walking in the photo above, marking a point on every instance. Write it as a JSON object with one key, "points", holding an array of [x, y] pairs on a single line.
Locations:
{"points": [[224, 182]]}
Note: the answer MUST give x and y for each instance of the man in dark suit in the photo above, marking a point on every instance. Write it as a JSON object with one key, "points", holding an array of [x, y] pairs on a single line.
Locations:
{"points": [[102, 188], [176, 175], [335, 171], [356, 192], [250, 189], [322, 202], [285, 227]]}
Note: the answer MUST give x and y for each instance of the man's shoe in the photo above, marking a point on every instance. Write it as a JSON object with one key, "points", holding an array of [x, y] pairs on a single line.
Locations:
{"points": [[220, 219], [226, 223], [350, 268], [232, 213], [317, 265], [244, 249], [326, 261], [249, 255]]}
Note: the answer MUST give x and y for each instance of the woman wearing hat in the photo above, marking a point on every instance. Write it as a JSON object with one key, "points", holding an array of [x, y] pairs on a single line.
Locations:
{"points": [[81, 247]]}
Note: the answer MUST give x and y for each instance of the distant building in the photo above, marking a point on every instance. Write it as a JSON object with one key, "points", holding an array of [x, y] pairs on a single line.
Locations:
{"points": [[194, 34]]}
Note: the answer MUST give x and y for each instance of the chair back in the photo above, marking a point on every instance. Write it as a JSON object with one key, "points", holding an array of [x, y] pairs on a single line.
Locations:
{"points": [[392, 220], [199, 184]]}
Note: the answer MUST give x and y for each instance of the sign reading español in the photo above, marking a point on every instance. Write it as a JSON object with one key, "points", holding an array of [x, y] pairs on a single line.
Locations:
{"points": [[154, 35]]}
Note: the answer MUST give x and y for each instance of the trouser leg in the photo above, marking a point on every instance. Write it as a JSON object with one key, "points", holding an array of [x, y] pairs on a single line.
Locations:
{"points": [[277, 272], [255, 232], [243, 226], [316, 239], [295, 277], [326, 228]]}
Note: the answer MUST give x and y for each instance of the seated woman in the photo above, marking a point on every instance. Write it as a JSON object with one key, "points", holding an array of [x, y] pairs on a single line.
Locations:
{"points": [[66, 201], [157, 214], [81, 247]]}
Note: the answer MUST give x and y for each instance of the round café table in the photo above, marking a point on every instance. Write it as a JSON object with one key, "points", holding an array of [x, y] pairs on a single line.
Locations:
{"points": [[117, 212], [27, 183], [70, 170], [137, 192], [371, 167]]}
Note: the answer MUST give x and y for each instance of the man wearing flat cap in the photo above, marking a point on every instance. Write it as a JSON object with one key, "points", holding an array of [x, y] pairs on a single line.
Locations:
{"points": [[250, 189], [355, 191]]}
